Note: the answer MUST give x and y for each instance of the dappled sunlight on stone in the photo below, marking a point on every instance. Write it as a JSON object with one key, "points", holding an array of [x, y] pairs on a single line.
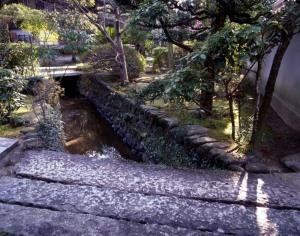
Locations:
{"points": [[266, 227], [242, 195]]}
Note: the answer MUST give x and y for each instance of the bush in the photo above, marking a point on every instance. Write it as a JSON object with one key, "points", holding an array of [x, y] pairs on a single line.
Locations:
{"points": [[47, 108], [100, 39], [138, 37], [10, 96], [103, 59], [51, 130], [16, 121], [74, 32], [22, 57], [26, 18], [47, 92], [160, 58]]}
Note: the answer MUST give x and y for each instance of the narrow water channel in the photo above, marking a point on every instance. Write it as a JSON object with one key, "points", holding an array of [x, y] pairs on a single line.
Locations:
{"points": [[88, 133]]}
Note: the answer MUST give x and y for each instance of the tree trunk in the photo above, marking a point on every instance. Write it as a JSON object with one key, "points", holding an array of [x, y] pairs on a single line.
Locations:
{"points": [[123, 64], [269, 90], [170, 56], [117, 44], [231, 111], [258, 101], [206, 99], [121, 58], [239, 106]]}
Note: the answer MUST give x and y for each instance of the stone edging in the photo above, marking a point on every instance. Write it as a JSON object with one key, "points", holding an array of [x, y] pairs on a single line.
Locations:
{"points": [[130, 121]]}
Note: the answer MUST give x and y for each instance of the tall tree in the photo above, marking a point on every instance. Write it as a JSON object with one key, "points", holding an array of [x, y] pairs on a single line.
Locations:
{"points": [[196, 20], [101, 12]]}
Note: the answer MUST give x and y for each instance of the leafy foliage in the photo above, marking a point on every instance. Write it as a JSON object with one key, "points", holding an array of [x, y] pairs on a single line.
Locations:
{"points": [[28, 19], [160, 56], [100, 39], [10, 94], [179, 86], [139, 37], [51, 130], [22, 58], [47, 92], [103, 59], [47, 108], [74, 32]]}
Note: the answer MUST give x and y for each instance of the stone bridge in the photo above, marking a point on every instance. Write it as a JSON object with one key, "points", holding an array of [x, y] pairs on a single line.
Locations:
{"points": [[53, 193]]}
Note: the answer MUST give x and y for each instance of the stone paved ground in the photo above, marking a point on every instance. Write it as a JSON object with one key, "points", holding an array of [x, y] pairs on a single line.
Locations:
{"points": [[55, 193]]}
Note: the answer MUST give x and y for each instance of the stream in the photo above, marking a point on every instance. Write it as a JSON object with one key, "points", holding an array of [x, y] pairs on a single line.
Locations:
{"points": [[87, 133]]}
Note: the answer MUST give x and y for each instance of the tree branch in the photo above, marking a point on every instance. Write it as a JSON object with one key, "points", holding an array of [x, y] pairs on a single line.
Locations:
{"points": [[171, 40]]}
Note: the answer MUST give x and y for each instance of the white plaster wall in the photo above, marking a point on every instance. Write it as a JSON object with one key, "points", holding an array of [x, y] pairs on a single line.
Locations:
{"points": [[286, 98]]}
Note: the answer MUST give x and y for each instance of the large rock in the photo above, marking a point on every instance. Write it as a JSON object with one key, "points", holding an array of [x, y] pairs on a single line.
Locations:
{"points": [[196, 140], [260, 168], [182, 132], [168, 122], [292, 162]]}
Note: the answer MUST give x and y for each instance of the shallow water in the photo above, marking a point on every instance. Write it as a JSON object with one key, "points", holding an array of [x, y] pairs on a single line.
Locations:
{"points": [[88, 133]]}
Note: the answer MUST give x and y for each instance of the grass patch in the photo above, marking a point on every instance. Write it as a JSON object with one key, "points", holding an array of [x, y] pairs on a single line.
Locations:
{"points": [[219, 125], [8, 132]]}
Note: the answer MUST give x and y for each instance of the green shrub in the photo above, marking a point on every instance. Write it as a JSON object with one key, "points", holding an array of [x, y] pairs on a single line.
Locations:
{"points": [[51, 130], [10, 96], [160, 58], [138, 37], [136, 62], [73, 32], [103, 59], [100, 39], [26, 18], [22, 57], [47, 108]]}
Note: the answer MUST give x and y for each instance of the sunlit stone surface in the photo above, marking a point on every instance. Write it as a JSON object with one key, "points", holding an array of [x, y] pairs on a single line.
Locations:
{"points": [[111, 196]]}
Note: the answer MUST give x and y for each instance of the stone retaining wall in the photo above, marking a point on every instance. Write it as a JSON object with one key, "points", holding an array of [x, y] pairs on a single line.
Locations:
{"points": [[152, 135]]}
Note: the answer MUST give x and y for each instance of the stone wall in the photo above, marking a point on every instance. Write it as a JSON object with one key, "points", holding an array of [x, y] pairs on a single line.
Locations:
{"points": [[153, 136]]}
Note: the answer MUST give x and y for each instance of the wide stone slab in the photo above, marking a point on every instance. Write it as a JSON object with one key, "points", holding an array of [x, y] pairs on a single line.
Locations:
{"points": [[27, 221], [220, 186], [6, 145], [150, 209]]}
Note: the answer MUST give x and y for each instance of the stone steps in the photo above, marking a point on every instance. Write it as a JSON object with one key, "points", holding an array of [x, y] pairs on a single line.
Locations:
{"points": [[268, 190], [28, 221], [61, 194], [140, 208]]}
